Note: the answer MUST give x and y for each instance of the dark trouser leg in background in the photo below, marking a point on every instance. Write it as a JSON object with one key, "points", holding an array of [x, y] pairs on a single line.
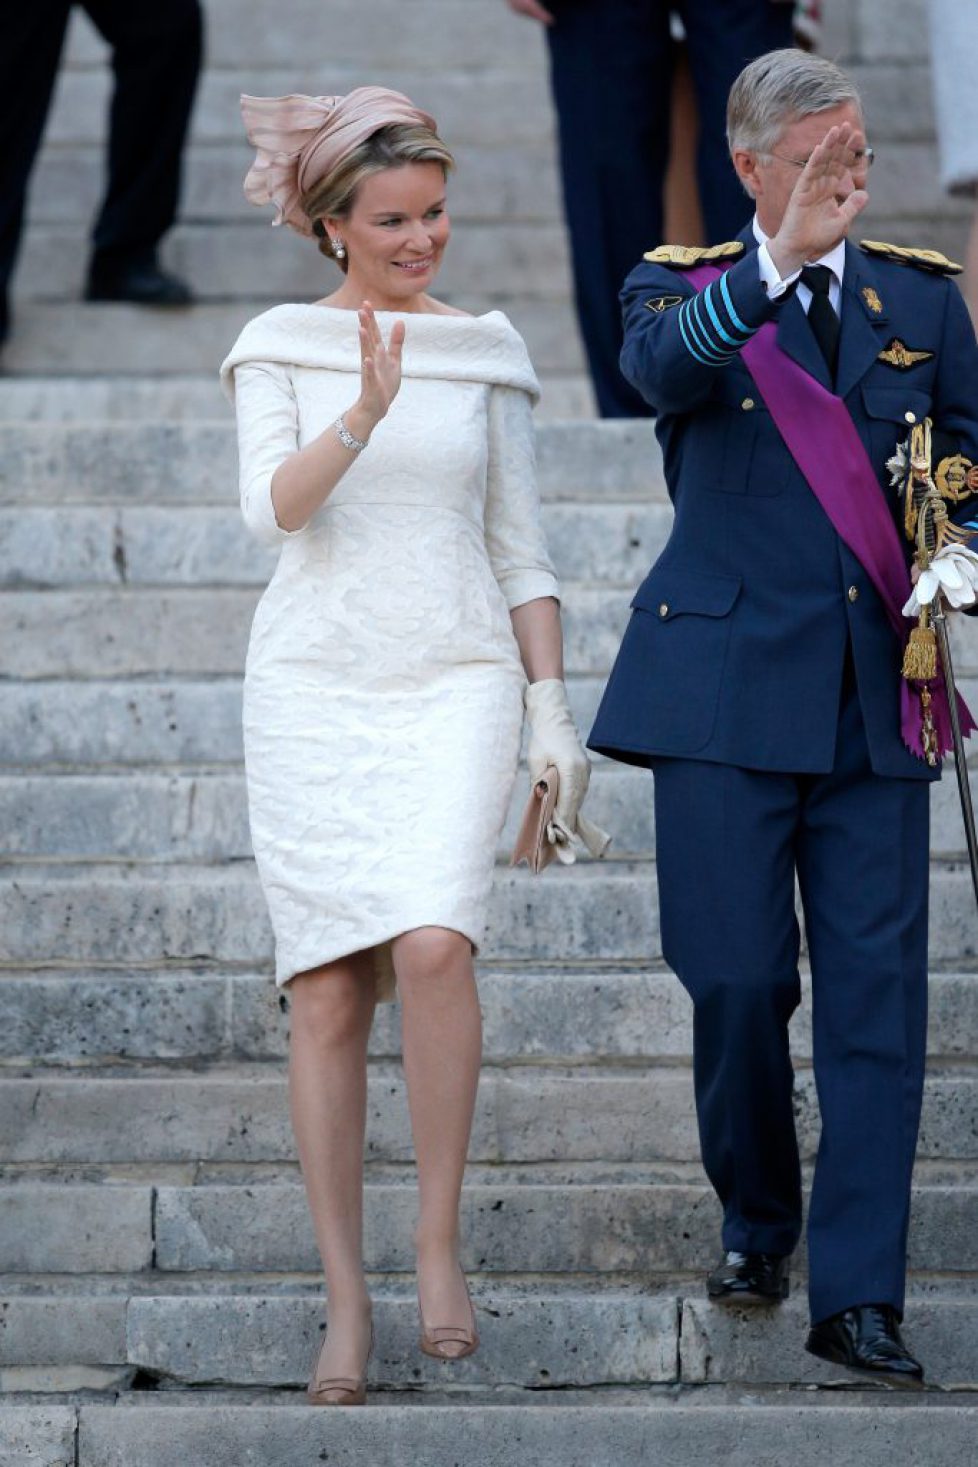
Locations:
{"points": [[156, 56], [725, 860], [863, 866], [31, 38], [611, 77], [721, 40]]}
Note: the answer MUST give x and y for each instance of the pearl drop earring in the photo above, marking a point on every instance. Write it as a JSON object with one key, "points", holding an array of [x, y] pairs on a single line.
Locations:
{"points": [[339, 250]]}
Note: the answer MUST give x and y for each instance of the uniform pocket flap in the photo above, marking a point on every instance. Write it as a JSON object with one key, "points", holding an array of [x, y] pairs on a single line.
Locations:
{"points": [[896, 402], [671, 593]]}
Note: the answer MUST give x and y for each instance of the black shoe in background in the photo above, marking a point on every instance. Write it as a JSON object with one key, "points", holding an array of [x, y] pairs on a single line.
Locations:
{"points": [[140, 282], [749, 1278], [866, 1339]]}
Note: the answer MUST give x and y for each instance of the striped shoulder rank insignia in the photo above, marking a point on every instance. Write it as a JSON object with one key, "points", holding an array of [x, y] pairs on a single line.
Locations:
{"points": [[902, 357], [684, 257], [931, 260], [659, 303]]}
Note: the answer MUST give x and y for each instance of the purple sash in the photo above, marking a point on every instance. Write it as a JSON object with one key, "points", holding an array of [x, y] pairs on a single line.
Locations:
{"points": [[842, 478]]}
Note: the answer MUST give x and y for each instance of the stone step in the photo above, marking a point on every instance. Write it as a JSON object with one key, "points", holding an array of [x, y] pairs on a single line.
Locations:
{"points": [[64, 337], [469, 35], [178, 398], [580, 1016], [245, 261], [215, 1432], [189, 464], [560, 1342], [492, 184], [531, 1338], [132, 723], [205, 817], [187, 816], [491, 104], [62, 546], [524, 1115], [146, 723], [133, 632], [119, 914]]}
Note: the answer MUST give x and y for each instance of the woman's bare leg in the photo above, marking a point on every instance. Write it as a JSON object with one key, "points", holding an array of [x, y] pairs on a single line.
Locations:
{"points": [[442, 1042], [331, 1012]]}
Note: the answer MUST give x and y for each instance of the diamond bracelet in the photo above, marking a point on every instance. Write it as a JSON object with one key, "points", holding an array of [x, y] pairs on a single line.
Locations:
{"points": [[355, 445]]}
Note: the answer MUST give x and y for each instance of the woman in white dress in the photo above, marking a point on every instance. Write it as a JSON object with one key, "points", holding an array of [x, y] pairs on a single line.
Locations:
{"points": [[385, 443]]}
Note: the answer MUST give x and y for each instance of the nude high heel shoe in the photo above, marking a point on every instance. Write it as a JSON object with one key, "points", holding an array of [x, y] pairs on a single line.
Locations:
{"points": [[338, 1390], [442, 1342]]}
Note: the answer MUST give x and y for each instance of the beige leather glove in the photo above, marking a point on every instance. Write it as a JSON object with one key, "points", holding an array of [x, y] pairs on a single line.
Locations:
{"points": [[554, 740]]}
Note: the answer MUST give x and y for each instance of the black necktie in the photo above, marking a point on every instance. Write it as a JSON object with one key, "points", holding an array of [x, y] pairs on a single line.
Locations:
{"points": [[821, 314]]}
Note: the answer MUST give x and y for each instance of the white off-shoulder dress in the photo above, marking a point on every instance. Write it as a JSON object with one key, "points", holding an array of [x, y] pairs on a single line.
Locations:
{"points": [[383, 686]]}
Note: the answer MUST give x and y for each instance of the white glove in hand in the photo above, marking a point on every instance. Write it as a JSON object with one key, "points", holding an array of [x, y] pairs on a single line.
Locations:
{"points": [[954, 571], [554, 740]]}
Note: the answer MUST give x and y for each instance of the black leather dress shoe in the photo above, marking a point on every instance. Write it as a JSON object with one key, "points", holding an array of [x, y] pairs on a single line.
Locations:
{"points": [[867, 1340], [143, 283], [749, 1278]]}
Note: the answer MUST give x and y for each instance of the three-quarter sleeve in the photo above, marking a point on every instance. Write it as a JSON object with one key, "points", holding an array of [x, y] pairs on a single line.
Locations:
{"points": [[268, 432], [514, 533]]}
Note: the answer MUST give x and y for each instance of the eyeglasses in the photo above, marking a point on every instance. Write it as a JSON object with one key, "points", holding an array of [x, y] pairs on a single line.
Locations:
{"points": [[862, 158]]}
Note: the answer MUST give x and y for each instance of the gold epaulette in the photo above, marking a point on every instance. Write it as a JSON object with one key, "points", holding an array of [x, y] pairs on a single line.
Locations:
{"points": [[684, 257], [931, 260]]}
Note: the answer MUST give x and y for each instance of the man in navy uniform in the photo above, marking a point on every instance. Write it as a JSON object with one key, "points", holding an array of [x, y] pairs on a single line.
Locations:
{"points": [[759, 678], [611, 74]]}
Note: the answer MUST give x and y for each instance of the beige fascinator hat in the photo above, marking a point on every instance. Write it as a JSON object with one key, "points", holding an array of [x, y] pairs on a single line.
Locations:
{"points": [[301, 140]]}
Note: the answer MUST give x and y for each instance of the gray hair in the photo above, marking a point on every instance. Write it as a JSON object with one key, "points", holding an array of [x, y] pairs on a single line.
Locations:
{"points": [[778, 89]]}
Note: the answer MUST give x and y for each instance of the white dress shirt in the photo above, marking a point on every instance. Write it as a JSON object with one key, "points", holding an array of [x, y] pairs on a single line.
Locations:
{"points": [[775, 286]]}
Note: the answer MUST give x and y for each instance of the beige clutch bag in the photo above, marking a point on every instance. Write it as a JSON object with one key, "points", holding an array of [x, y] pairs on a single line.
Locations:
{"points": [[533, 844]]}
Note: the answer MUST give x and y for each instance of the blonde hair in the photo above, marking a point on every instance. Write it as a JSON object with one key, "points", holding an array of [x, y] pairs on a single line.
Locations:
{"points": [[393, 146]]}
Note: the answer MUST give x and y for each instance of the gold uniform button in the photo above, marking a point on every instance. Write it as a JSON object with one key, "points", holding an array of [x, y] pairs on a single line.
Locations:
{"points": [[910, 417], [664, 610], [853, 593], [747, 404]]}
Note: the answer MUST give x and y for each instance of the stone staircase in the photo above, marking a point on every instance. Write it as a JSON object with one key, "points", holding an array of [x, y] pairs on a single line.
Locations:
{"points": [[159, 1290]]}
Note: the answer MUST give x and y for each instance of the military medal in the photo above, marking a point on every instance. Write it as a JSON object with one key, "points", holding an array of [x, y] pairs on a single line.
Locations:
{"points": [[956, 477]]}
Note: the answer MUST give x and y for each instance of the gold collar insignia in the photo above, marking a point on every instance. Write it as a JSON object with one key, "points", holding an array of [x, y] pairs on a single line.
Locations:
{"points": [[902, 357], [872, 300]]}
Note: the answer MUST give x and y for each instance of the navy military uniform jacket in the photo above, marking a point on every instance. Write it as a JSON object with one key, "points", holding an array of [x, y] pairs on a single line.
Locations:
{"points": [[736, 645]]}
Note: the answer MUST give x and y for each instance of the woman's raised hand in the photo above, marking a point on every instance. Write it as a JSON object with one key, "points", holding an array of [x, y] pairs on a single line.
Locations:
{"points": [[380, 365]]}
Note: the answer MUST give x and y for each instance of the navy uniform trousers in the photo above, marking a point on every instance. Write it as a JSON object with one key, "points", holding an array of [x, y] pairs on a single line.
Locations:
{"points": [[611, 73], [729, 842], [156, 54]]}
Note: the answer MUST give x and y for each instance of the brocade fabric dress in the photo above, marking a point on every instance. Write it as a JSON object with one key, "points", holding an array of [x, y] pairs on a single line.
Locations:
{"points": [[383, 686]]}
